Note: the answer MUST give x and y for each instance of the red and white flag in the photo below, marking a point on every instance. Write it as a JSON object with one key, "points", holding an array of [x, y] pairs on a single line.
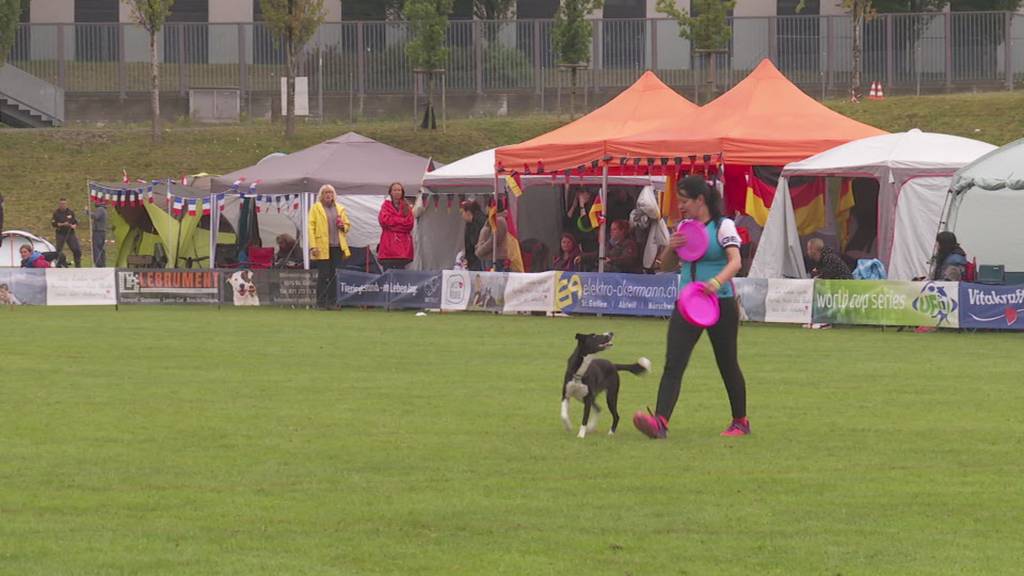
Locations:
{"points": [[177, 206]]}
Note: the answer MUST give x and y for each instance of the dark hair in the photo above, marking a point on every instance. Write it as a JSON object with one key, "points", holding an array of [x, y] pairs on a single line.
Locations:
{"points": [[946, 241], [947, 245], [470, 206], [621, 225], [694, 187], [62, 200]]}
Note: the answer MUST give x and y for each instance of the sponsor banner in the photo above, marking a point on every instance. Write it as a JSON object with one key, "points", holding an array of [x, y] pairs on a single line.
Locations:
{"points": [[465, 290], [361, 289], [751, 294], [886, 303], [412, 289], [530, 292], [991, 307], [81, 287], [20, 286], [295, 288], [168, 286], [623, 294], [789, 301], [247, 287]]}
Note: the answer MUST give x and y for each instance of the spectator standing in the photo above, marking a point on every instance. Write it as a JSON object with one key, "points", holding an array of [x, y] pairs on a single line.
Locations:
{"points": [[98, 217], [395, 249], [475, 221], [65, 224], [623, 252], [328, 226], [492, 247]]}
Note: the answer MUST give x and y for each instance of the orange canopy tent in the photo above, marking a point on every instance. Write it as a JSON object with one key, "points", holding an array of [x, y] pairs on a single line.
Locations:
{"points": [[642, 107], [765, 120]]}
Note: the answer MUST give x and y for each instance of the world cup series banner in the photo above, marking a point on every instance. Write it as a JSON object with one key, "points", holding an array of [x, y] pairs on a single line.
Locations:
{"points": [[887, 303], [991, 307]]}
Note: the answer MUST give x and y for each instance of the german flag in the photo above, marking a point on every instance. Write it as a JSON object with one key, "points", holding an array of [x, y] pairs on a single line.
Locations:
{"points": [[597, 213], [843, 208], [760, 194], [808, 195], [670, 198], [514, 183]]}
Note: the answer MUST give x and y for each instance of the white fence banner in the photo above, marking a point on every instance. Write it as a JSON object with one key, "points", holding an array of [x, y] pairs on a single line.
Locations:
{"points": [[81, 287], [789, 301], [530, 292]]}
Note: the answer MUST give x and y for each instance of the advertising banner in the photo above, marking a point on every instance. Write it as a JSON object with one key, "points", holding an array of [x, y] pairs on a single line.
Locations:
{"points": [[530, 292], [81, 287], [412, 289], [751, 294], [247, 287], [886, 303], [168, 286], [789, 301], [361, 289], [465, 290], [296, 288], [20, 286], [991, 307], [621, 294]]}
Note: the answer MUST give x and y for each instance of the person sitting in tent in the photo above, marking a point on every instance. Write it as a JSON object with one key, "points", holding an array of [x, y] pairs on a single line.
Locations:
{"points": [[32, 258], [568, 254], [827, 264], [950, 259], [475, 221], [289, 255], [583, 229], [328, 225], [623, 253], [395, 249]]}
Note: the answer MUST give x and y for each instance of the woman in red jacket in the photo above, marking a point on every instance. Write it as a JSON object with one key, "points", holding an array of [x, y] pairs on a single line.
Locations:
{"points": [[396, 222]]}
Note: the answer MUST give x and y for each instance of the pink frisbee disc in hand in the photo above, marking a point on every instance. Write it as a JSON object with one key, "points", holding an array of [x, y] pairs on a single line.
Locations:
{"points": [[696, 240], [696, 306]]}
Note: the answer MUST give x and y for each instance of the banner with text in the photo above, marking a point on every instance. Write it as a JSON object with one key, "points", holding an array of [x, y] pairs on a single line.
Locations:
{"points": [[991, 307], [789, 301], [622, 294], [465, 290], [23, 286], [168, 286], [412, 289], [886, 303], [296, 288], [530, 292], [81, 287], [361, 289]]}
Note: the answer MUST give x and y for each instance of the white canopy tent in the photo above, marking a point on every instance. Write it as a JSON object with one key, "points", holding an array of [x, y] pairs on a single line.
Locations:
{"points": [[913, 170], [986, 201], [538, 211]]}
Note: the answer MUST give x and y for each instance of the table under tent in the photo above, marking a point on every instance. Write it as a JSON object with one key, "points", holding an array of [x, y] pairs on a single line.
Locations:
{"points": [[911, 171], [983, 209], [161, 224], [538, 212], [273, 197]]}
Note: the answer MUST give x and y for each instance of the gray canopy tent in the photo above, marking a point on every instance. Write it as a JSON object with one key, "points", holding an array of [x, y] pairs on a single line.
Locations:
{"points": [[359, 168]]}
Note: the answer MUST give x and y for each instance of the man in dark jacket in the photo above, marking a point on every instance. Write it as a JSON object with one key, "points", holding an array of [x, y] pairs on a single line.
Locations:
{"points": [[65, 224], [475, 221], [827, 264]]}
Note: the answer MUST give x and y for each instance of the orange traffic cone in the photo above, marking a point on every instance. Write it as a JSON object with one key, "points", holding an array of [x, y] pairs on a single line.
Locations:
{"points": [[876, 92]]}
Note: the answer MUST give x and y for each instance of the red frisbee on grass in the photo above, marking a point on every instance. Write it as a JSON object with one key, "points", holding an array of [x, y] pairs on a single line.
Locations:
{"points": [[696, 306], [696, 240]]}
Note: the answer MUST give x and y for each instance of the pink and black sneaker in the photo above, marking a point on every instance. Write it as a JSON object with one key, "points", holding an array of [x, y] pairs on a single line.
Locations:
{"points": [[654, 427], [739, 427]]}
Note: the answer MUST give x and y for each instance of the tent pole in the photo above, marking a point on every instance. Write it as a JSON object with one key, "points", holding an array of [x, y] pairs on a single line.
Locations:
{"points": [[603, 230], [214, 217], [304, 206]]}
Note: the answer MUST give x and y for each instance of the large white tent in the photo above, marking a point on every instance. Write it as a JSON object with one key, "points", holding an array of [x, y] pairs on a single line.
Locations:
{"points": [[913, 170], [538, 211], [985, 207]]}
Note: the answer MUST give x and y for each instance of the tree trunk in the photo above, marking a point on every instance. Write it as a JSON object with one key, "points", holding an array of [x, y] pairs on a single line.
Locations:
{"points": [[289, 120], [572, 93], [858, 35], [429, 119], [155, 86]]}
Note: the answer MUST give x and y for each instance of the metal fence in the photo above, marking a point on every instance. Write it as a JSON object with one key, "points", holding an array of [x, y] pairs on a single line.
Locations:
{"points": [[905, 52]]}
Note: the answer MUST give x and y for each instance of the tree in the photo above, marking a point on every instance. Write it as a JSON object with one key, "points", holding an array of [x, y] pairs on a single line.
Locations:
{"points": [[293, 23], [151, 15], [572, 37], [428, 24], [708, 32], [860, 11], [493, 9], [10, 12]]}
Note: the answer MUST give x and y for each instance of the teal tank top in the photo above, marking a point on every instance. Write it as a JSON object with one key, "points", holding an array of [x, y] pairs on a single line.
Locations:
{"points": [[714, 259]]}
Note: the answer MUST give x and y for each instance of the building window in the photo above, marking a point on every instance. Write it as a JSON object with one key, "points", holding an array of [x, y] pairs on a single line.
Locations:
{"points": [[536, 9], [96, 30], [25, 7], [189, 11], [625, 9], [798, 36], [788, 7], [97, 11]]}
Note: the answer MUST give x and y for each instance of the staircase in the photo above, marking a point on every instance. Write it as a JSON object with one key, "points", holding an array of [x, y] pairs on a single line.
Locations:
{"points": [[27, 101]]}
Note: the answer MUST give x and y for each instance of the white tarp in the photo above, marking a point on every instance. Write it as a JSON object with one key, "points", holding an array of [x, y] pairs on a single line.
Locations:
{"points": [[892, 160], [918, 211]]}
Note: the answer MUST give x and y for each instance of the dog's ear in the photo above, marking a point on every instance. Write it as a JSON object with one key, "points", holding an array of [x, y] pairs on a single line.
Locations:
{"points": [[580, 337]]}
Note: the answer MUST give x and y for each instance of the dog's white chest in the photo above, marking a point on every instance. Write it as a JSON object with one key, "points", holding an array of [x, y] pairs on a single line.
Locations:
{"points": [[576, 389]]}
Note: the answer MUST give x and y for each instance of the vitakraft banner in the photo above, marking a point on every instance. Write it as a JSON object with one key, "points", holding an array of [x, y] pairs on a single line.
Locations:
{"points": [[620, 294], [168, 286], [991, 307], [886, 303]]}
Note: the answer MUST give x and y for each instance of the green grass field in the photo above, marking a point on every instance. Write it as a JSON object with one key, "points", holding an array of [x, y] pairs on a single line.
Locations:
{"points": [[204, 441]]}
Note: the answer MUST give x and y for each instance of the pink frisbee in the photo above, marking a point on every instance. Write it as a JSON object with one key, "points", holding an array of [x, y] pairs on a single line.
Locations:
{"points": [[696, 240], [696, 307]]}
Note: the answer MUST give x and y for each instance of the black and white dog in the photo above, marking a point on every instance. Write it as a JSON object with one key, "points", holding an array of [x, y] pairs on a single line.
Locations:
{"points": [[586, 376]]}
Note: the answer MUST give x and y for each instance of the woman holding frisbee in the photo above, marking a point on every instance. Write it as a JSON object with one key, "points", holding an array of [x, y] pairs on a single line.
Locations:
{"points": [[715, 269]]}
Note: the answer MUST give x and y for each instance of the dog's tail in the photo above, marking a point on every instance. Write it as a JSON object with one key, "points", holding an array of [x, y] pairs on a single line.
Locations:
{"points": [[641, 368]]}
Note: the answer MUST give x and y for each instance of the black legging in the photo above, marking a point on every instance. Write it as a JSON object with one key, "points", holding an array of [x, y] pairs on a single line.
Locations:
{"points": [[682, 337], [327, 278]]}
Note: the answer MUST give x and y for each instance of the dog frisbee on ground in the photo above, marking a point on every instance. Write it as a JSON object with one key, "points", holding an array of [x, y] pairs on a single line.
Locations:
{"points": [[696, 240], [697, 307]]}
